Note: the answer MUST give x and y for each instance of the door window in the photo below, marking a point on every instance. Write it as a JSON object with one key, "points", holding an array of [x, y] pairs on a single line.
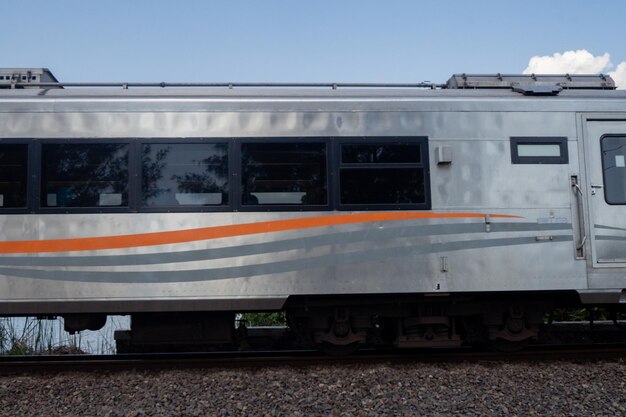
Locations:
{"points": [[614, 168]]}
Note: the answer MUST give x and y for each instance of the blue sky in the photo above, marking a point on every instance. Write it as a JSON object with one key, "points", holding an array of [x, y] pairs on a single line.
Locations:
{"points": [[272, 40]]}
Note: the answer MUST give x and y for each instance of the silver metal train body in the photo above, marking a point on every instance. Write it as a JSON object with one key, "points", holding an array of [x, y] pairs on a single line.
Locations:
{"points": [[514, 211]]}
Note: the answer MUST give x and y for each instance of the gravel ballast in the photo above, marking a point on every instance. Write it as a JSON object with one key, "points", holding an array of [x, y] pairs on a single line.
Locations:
{"points": [[494, 389]]}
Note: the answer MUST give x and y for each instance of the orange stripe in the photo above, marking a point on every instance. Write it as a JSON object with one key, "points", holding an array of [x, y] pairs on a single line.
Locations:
{"points": [[205, 233]]}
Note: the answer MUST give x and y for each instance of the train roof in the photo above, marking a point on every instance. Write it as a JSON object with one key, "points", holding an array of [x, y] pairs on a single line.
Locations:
{"points": [[39, 90]]}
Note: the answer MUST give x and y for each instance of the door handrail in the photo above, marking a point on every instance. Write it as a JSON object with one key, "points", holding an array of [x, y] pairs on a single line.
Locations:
{"points": [[581, 221]]}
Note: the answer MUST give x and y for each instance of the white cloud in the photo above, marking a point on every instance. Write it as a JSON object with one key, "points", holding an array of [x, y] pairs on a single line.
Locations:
{"points": [[572, 62], [619, 75], [577, 62]]}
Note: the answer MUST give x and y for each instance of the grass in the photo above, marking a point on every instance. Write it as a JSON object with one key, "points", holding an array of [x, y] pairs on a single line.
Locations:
{"points": [[28, 336], [33, 336]]}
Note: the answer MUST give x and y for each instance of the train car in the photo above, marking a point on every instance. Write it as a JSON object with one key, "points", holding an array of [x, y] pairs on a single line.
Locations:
{"points": [[370, 214]]}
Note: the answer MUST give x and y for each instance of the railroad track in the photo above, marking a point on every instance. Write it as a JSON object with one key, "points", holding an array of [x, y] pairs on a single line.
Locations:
{"points": [[572, 341], [64, 363]]}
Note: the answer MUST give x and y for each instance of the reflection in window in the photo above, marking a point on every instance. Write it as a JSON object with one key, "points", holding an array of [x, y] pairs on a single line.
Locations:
{"points": [[84, 175], [184, 174], [380, 154], [614, 168], [283, 173], [13, 174], [382, 174]]}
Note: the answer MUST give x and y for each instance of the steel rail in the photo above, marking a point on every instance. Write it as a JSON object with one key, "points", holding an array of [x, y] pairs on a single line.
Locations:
{"points": [[10, 365]]}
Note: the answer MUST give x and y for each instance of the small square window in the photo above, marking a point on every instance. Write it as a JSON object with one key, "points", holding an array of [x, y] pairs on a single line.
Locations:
{"points": [[539, 150]]}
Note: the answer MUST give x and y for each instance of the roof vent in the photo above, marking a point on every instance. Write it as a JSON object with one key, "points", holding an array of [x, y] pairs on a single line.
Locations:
{"points": [[533, 84], [537, 90], [25, 77]]}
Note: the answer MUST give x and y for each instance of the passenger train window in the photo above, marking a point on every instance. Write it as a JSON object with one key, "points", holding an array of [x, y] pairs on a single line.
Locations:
{"points": [[13, 175], [283, 173], [184, 174], [84, 175], [614, 168], [539, 150], [382, 174]]}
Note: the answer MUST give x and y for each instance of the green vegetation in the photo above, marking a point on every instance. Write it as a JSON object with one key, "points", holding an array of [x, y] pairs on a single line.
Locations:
{"points": [[263, 319], [584, 314]]}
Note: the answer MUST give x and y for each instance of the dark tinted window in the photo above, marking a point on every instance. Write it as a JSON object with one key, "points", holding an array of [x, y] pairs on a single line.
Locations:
{"points": [[614, 168], [358, 154], [382, 174], [13, 175], [382, 186], [283, 173], [84, 175], [184, 174]]}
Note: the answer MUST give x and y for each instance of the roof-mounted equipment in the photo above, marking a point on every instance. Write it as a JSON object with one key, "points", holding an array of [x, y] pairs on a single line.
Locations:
{"points": [[25, 77], [532, 84], [535, 85]]}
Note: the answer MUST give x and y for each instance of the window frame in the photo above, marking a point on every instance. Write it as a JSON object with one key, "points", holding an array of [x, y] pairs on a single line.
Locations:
{"points": [[327, 141], [38, 176], [516, 159], [604, 182], [30, 172], [185, 209], [383, 140], [332, 146]]}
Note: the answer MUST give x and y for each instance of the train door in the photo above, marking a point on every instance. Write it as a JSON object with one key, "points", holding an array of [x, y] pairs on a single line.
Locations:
{"points": [[605, 161]]}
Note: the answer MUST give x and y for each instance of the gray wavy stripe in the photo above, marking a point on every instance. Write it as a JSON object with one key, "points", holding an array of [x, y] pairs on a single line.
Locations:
{"points": [[610, 237], [601, 226], [324, 261], [276, 246]]}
